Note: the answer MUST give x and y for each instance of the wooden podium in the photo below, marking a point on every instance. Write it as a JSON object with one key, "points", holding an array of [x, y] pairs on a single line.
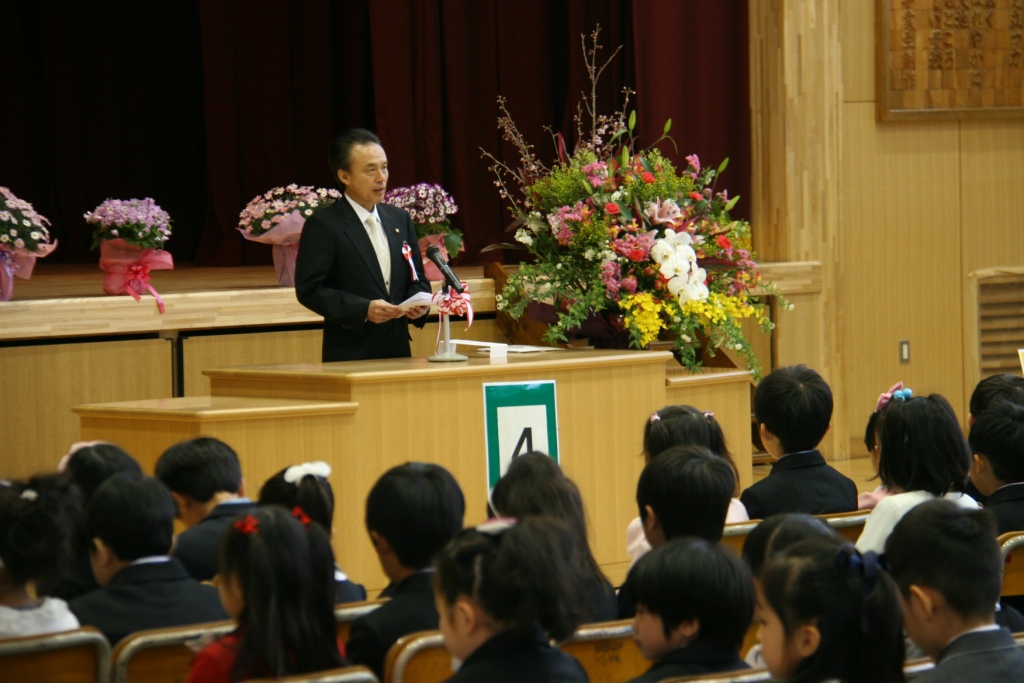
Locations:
{"points": [[365, 417]]}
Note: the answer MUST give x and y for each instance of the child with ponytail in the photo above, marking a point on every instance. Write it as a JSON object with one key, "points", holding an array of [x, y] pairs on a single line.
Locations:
{"points": [[681, 425], [503, 591], [276, 579], [828, 613], [306, 486]]}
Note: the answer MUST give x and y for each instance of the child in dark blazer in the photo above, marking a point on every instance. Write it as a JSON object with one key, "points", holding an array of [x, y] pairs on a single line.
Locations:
{"points": [[694, 602], [997, 465], [793, 408]]}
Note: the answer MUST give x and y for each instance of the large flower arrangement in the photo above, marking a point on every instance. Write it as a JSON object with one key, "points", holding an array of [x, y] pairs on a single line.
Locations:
{"points": [[136, 221], [620, 235], [431, 209]]}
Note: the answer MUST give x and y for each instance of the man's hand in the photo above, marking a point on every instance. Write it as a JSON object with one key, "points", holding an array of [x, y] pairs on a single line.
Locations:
{"points": [[417, 312], [381, 311]]}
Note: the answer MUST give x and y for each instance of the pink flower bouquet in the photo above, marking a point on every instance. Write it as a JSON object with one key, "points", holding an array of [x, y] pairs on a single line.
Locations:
{"points": [[277, 218], [24, 237], [430, 208]]}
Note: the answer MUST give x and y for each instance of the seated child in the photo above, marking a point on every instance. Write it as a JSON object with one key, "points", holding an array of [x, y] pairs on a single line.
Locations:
{"points": [[922, 455], [305, 486], [504, 591], [276, 580], [869, 499], [130, 524], [793, 408], [1003, 387], [35, 519], [997, 466], [694, 601], [206, 484], [947, 564], [534, 485], [827, 613], [412, 512], [681, 426], [87, 465]]}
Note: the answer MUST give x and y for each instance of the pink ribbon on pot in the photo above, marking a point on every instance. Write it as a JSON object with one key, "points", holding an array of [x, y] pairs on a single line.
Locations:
{"points": [[134, 277]]}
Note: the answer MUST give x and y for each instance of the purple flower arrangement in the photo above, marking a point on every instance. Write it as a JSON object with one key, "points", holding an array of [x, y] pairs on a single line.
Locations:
{"points": [[20, 226], [137, 221], [430, 208]]}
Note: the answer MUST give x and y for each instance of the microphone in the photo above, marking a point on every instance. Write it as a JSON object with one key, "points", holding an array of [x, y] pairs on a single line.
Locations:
{"points": [[434, 254]]}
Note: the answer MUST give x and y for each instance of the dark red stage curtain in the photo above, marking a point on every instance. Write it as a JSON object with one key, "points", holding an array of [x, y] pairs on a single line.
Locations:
{"points": [[203, 105]]}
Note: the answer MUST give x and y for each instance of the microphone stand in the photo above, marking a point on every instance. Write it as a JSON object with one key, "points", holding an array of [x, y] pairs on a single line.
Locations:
{"points": [[446, 353]]}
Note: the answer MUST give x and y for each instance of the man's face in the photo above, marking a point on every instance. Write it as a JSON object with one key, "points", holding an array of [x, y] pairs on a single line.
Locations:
{"points": [[366, 179]]}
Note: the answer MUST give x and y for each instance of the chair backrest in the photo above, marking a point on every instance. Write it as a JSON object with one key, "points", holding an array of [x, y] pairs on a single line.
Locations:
{"points": [[1012, 546], [163, 655], [418, 658], [79, 656], [607, 651], [348, 674], [734, 535], [346, 613], [848, 524], [747, 676]]}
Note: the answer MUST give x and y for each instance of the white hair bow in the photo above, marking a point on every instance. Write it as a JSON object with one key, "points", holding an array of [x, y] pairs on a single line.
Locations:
{"points": [[295, 473]]}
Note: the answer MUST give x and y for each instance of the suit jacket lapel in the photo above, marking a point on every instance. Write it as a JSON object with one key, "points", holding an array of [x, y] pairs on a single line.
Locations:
{"points": [[356, 233]]}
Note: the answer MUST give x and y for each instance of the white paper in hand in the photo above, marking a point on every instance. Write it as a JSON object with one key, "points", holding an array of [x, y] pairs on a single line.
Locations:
{"points": [[417, 299]]}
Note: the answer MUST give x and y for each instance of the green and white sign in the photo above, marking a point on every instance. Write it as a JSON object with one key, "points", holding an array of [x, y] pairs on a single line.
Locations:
{"points": [[519, 417]]}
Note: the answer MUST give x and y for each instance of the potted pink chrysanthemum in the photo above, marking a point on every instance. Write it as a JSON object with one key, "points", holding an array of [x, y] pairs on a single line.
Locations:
{"points": [[24, 237], [431, 209]]}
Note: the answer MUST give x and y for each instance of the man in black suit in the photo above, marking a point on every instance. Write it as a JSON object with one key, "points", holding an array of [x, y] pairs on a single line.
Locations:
{"points": [[412, 512], [130, 521], [793, 408], [351, 268], [205, 480]]}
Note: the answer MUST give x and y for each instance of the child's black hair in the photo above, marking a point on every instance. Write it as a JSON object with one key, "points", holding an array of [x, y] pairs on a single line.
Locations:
{"points": [[133, 515], [795, 404], [998, 434], [689, 488], [778, 533], [310, 492], [286, 573], [1003, 387], [535, 486], [36, 520], [92, 465], [200, 468], [851, 601], [922, 447], [952, 550], [521, 576], [418, 507], [691, 578], [682, 425]]}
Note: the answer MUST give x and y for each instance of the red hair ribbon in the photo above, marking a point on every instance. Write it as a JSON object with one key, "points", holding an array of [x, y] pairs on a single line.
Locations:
{"points": [[247, 525], [300, 514]]}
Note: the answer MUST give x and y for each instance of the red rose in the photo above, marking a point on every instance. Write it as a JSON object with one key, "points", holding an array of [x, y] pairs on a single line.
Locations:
{"points": [[723, 242], [612, 209], [696, 196], [647, 176], [636, 254]]}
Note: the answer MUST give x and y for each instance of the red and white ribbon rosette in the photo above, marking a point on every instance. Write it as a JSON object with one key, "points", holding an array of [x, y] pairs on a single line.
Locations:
{"points": [[127, 270], [450, 302], [16, 262]]}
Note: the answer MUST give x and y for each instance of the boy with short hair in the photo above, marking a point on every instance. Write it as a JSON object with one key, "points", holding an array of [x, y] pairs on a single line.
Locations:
{"points": [[946, 561], [412, 512], [793, 408], [685, 491], [997, 466], [130, 523], [991, 390], [206, 483], [694, 602]]}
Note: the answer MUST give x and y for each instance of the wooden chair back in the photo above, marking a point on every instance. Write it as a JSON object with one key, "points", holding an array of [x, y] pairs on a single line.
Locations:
{"points": [[79, 656], [418, 658], [163, 655], [1012, 546], [745, 676], [607, 651], [848, 524], [346, 613], [348, 674]]}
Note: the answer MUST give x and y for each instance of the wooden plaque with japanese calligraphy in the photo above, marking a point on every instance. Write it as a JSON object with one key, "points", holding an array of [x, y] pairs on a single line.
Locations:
{"points": [[950, 59]]}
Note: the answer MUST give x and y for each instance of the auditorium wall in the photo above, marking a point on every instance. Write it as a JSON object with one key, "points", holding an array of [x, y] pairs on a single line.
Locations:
{"points": [[898, 212]]}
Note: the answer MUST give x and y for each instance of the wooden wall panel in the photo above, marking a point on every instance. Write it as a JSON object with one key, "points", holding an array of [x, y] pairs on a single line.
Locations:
{"points": [[42, 383], [901, 273], [857, 36]]}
